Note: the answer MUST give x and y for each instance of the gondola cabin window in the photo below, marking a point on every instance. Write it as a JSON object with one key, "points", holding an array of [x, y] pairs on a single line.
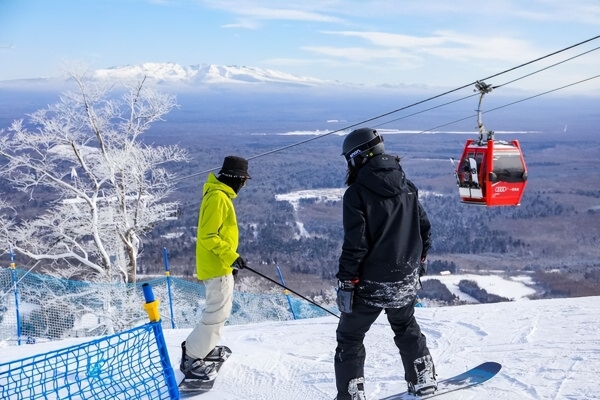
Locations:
{"points": [[508, 166]]}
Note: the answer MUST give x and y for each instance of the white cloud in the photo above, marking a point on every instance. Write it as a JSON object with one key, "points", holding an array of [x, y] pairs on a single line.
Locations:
{"points": [[284, 14], [463, 47], [274, 11], [443, 44], [363, 54], [244, 24], [303, 61], [333, 10], [554, 10], [384, 39], [161, 2]]}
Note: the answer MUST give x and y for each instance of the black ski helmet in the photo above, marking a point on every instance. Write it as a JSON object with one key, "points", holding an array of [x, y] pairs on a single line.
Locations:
{"points": [[363, 142]]}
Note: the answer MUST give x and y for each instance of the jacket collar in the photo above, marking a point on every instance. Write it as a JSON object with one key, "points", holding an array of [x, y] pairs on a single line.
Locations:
{"points": [[212, 183]]}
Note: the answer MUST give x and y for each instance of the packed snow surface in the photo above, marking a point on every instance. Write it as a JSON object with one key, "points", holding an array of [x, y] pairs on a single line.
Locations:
{"points": [[549, 349]]}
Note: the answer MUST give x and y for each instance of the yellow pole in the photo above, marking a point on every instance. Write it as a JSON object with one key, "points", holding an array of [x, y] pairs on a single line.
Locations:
{"points": [[151, 305]]}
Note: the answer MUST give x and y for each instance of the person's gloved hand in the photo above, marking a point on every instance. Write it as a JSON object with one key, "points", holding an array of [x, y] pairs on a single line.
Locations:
{"points": [[239, 263], [345, 295]]}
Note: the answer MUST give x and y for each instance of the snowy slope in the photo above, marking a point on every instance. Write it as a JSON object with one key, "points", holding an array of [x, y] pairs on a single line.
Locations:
{"points": [[549, 349], [515, 288]]}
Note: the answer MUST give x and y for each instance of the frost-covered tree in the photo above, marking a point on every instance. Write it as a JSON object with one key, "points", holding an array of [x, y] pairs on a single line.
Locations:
{"points": [[109, 188]]}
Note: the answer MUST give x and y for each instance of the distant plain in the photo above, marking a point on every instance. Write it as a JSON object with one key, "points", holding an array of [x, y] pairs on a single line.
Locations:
{"points": [[556, 228]]}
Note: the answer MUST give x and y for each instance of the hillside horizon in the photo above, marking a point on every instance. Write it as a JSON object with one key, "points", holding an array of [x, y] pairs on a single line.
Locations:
{"points": [[201, 77]]}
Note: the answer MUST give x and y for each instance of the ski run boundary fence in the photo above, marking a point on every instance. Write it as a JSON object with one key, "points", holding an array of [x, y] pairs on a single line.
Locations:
{"points": [[133, 364], [35, 307], [130, 364]]}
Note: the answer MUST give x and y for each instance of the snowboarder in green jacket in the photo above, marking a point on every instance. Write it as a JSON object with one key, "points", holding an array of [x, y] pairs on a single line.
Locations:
{"points": [[217, 261]]}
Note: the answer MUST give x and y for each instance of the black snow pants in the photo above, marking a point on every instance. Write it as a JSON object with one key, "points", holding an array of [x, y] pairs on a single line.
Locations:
{"points": [[350, 352]]}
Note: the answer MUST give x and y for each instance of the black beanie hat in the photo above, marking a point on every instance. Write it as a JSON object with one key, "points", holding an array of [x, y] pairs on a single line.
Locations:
{"points": [[235, 167]]}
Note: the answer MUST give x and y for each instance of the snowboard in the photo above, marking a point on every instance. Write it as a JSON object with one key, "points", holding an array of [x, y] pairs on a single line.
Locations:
{"points": [[472, 377], [193, 387]]}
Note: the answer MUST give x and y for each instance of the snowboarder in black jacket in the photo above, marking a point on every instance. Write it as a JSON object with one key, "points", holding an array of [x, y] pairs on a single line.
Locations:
{"points": [[386, 240]]}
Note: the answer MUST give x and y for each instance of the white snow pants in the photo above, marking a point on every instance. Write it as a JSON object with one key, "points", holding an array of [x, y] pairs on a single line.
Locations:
{"points": [[207, 333]]}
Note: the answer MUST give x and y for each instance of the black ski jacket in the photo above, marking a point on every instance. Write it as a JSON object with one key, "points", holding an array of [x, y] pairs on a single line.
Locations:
{"points": [[386, 234]]}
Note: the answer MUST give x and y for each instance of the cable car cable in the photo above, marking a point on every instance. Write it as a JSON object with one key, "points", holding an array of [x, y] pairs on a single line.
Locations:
{"points": [[397, 110], [548, 67], [462, 119], [499, 86], [510, 104], [427, 109]]}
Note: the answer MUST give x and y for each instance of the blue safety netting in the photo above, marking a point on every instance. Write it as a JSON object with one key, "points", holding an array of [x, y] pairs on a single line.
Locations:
{"points": [[49, 308], [127, 365]]}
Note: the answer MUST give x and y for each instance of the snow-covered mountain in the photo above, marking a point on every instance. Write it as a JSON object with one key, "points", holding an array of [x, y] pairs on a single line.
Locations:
{"points": [[185, 78], [204, 74], [194, 78], [191, 77]]}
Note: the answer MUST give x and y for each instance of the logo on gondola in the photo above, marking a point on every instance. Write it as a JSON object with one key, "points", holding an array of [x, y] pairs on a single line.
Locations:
{"points": [[501, 189]]}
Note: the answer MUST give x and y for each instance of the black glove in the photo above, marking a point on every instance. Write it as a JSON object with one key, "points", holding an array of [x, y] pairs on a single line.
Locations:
{"points": [[239, 263], [345, 295]]}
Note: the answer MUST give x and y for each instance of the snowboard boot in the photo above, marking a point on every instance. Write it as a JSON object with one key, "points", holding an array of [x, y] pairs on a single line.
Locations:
{"points": [[218, 354], [196, 368], [426, 382], [356, 388]]}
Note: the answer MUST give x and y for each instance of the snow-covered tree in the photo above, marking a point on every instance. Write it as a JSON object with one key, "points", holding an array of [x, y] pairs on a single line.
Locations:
{"points": [[109, 188]]}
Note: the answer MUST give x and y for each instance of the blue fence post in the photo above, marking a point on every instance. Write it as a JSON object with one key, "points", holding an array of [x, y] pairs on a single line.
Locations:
{"points": [[287, 293], [168, 274], [151, 307], [15, 279]]}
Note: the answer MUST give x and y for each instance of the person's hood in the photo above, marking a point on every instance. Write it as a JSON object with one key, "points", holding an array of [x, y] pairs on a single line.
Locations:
{"points": [[212, 183], [383, 175]]}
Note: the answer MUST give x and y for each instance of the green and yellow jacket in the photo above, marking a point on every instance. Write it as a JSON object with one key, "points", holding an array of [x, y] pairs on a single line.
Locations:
{"points": [[216, 247]]}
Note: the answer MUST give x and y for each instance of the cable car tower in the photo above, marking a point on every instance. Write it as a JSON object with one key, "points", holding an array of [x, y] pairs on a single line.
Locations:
{"points": [[490, 172]]}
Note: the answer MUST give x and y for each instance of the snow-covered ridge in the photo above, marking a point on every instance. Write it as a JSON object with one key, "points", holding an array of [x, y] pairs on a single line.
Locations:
{"points": [[204, 74]]}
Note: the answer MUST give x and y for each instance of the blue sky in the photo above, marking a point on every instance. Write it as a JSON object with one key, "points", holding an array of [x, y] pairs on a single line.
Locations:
{"points": [[435, 42]]}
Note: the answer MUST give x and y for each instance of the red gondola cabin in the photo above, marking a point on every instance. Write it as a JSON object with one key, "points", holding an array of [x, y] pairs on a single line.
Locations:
{"points": [[491, 173]]}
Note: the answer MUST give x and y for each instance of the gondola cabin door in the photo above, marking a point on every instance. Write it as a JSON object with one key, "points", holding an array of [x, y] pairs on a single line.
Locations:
{"points": [[491, 173]]}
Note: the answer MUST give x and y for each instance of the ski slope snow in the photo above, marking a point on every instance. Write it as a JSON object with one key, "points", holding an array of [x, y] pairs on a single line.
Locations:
{"points": [[549, 349]]}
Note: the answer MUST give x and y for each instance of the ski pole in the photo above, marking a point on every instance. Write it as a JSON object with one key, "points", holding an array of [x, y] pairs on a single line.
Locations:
{"points": [[286, 288]]}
